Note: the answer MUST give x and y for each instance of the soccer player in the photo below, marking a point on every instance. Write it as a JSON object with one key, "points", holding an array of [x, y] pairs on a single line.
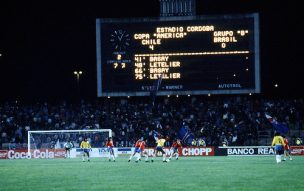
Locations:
{"points": [[159, 148], [174, 148], [110, 146], [279, 145], [137, 147], [286, 149], [141, 151], [85, 145], [68, 146]]}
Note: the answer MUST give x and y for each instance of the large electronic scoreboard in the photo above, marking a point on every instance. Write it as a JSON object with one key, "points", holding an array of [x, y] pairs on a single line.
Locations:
{"points": [[191, 55]]}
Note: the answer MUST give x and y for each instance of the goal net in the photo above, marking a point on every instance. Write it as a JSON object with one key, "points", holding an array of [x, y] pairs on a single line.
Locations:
{"points": [[42, 143]]}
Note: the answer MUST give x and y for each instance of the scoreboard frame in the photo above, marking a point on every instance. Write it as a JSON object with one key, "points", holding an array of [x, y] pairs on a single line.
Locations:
{"points": [[99, 56]]}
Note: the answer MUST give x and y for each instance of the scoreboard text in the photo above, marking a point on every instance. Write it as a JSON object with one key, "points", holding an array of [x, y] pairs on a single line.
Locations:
{"points": [[218, 55]]}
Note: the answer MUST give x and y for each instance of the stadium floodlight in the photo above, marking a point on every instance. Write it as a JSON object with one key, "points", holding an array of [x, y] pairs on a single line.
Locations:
{"points": [[55, 139]]}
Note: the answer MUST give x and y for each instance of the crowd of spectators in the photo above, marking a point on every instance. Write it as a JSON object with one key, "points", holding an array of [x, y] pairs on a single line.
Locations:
{"points": [[235, 120]]}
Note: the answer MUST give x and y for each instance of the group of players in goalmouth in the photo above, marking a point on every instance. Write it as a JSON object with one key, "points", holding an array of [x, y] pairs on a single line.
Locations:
{"points": [[139, 150]]}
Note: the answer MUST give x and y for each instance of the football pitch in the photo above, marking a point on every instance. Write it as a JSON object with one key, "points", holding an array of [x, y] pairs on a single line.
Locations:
{"points": [[187, 173]]}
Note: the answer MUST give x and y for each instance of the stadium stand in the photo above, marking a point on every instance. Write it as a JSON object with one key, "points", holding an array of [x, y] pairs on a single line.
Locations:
{"points": [[239, 120]]}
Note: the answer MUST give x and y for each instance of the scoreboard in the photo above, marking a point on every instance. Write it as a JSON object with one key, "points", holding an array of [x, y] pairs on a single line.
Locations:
{"points": [[191, 55]]}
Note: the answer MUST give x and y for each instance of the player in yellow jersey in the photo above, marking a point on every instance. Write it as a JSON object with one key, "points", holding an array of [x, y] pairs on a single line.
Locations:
{"points": [[85, 145], [160, 142], [278, 143]]}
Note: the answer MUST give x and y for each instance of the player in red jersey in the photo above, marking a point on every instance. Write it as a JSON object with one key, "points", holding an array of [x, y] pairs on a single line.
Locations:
{"points": [[141, 151], [137, 147], [174, 148], [286, 149], [110, 145]]}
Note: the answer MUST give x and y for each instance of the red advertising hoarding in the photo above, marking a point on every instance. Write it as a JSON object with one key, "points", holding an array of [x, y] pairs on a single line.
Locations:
{"points": [[297, 150]]}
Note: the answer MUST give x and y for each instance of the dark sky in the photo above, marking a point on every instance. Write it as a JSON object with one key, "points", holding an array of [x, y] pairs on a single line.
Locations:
{"points": [[43, 42]]}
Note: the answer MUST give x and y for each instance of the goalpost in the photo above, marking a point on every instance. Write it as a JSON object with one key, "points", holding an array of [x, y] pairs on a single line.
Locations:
{"points": [[55, 139]]}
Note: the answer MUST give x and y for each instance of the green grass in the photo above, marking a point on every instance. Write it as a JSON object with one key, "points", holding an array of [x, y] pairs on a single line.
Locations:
{"points": [[188, 173]]}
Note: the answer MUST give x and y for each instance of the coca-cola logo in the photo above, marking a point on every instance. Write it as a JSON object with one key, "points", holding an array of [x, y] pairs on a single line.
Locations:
{"points": [[12, 154], [22, 154]]}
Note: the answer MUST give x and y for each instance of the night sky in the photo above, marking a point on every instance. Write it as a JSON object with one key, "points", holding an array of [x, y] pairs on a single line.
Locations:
{"points": [[43, 42]]}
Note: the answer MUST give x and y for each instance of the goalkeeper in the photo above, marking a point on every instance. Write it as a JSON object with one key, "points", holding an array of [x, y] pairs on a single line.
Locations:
{"points": [[85, 145], [68, 146]]}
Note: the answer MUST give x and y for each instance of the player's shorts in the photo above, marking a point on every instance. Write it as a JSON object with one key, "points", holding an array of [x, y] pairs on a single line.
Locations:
{"points": [[160, 149], [67, 149], [286, 148], [137, 150], [110, 149], [175, 150], [279, 149], [86, 150]]}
